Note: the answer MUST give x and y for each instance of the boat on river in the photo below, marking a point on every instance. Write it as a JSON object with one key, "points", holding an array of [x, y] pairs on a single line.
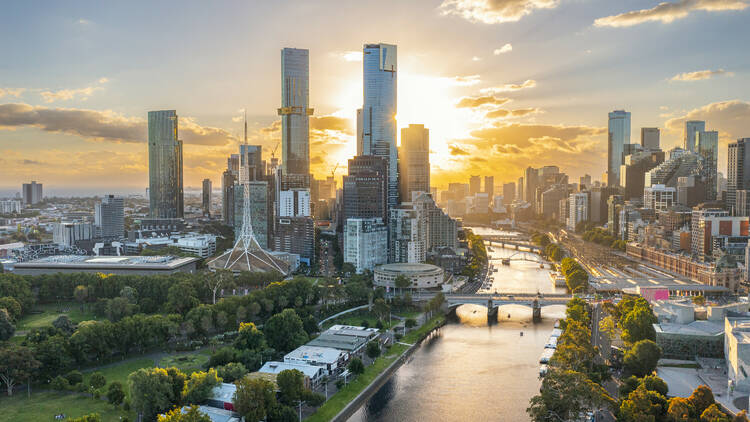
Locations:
{"points": [[546, 355]]}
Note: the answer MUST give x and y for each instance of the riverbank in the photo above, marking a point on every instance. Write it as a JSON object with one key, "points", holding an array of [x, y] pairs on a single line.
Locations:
{"points": [[350, 398]]}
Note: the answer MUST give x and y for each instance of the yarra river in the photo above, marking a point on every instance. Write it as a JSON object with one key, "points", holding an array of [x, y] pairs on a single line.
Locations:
{"points": [[469, 370]]}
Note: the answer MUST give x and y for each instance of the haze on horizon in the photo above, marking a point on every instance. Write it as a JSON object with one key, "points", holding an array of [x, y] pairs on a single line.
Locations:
{"points": [[501, 84]]}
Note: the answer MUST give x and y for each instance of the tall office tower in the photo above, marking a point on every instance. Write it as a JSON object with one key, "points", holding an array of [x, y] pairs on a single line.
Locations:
{"points": [[295, 114], [707, 146], [614, 206], [109, 217], [650, 137], [228, 181], [378, 115], [692, 126], [519, 189], [475, 185], [32, 193], [206, 196], [618, 136], [634, 169], [509, 193], [489, 186], [530, 179], [365, 187], [414, 161], [585, 181], [164, 165], [738, 171]]}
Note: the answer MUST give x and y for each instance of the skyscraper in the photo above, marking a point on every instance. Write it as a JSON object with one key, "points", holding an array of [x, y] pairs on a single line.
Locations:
{"points": [[109, 217], [738, 171], [365, 187], [295, 112], [707, 146], [650, 137], [618, 136], [32, 193], [164, 165], [475, 185], [509, 193], [414, 161], [378, 117], [206, 197], [489, 186], [692, 126]]}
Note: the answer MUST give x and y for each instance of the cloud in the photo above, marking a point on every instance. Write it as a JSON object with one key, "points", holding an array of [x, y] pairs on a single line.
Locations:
{"points": [[700, 75], [102, 125], [476, 58], [668, 12], [471, 102], [331, 123], [494, 11], [457, 150], [28, 162], [70, 94], [83, 21], [348, 56], [507, 48], [466, 80], [501, 113], [13, 92], [529, 83], [730, 118]]}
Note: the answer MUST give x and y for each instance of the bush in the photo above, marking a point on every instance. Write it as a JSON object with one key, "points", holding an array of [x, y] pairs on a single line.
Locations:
{"points": [[74, 377], [59, 383], [97, 380], [232, 371], [339, 384], [356, 366], [373, 349], [115, 394]]}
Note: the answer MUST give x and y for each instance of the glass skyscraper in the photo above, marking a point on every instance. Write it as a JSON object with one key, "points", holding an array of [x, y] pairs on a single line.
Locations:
{"points": [[707, 146], [294, 112], [618, 136], [164, 165], [378, 115], [692, 126]]}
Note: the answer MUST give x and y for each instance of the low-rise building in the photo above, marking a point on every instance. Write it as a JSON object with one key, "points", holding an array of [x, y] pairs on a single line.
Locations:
{"points": [[737, 350], [422, 276], [222, 396], [122, 265], [332, 360], [312, 374]]}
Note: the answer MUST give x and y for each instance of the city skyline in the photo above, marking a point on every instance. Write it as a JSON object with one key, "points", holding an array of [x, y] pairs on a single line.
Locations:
{"points": [[489, 103]]}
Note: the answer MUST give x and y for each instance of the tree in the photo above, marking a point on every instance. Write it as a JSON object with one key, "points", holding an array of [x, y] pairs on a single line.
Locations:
{"points": [[699, 300], [680, 410], [402, 282], [115, 393], [192, 414], [17, 363], [291, 383], [380, 308], [182, 297], [64, 324], [577, 279], [642, 358], [356, 366], [152, 390], [713, 414], [249, 337], [59, 384], [119, 308], [643, 405], [740, 417], [254, 398], [638, 325], [6, 325], [217, 280], [608, 325], [373, 349], [565, 395], [11, 305], [654, 383], [199, 386], [410, 323], [285, 331], [80, 293], [97, 380], [130, 294], [232, 371], [74, 377], [702, 398]]}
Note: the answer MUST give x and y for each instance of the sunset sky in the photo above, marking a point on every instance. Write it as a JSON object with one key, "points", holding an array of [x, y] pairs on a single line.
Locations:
{"points": [[501, 84]]}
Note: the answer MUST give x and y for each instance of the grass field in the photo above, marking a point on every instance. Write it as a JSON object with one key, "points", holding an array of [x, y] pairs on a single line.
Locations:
{"points": [[339, 400], [50, 311], [42, 407], [120, 372], [357, 317], [187, 363]]}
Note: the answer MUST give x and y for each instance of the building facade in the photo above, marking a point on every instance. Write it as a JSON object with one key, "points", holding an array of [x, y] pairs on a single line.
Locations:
{"points": [[109, 217], [206, 197], [618, 136], [295, 112], [738, 171], [692, 126], [32, 193], [414, 161], [296, 235], [164, 165], [365, 243], [650, 137]]}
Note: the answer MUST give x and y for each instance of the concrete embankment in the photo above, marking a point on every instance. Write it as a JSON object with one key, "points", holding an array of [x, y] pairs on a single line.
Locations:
{"points": [[378, 382]]}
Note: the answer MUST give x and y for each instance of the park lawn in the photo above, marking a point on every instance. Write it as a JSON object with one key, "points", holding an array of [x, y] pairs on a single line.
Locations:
{"points": [[187, 363], [119, 372], [356, 318], [339, 400], [43, 407], [50, 311]]}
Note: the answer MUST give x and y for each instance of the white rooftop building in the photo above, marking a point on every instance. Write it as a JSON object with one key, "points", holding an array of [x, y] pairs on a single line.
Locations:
{"points": [[330, 359], [313, 373]]}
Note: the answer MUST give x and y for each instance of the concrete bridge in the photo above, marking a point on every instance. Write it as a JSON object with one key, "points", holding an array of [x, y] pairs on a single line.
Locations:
{"points": [[494, 300], [506, 241]]}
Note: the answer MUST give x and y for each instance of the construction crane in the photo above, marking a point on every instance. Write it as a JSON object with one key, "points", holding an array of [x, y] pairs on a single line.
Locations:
{"points": [[333, 172], [273, 153]]}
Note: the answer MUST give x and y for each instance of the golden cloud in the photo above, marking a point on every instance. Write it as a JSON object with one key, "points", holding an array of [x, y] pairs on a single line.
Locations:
{"points": [[12, 92], [501, 113], [70, 94], [700, 75], [530, 83], [471, 102], [507, 48], [668, 12], [494, 11], [730, 118]]}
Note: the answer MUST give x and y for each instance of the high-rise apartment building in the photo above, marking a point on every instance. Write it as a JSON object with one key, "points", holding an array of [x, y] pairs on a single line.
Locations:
{"points": [[650, 137], [489, 186], [475, 185], [228, 181], [414, 161], [692, 126], [509, 193], [378, 115], [579, 209], [206, 197], [294, 203], [738, 171], [707, 146], [530, 180], [68, 234], [109, 217], [707, 223], [408, 236], [164, 165], [295, 235], [295, 113], [365, 188], [365, 243], [618, 136], [32, 193], [659, 197]]}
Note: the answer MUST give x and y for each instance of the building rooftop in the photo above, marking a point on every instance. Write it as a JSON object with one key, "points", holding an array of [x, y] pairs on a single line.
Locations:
{"points": [[352, 330], [409, 268], [216, 415], [334, 341], [276, 367], [320, 354], [223, 392], [695, 328], [107, 261]]}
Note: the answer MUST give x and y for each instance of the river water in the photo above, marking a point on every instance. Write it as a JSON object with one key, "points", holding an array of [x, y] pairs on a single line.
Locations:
{"points": [[469, 370]]}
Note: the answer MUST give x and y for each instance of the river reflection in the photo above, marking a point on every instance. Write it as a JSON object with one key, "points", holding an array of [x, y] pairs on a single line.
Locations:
{"points": [[471, 370]]}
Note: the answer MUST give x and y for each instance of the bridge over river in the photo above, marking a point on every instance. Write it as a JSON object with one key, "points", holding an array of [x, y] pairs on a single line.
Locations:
{"points": [[494, 300]]}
